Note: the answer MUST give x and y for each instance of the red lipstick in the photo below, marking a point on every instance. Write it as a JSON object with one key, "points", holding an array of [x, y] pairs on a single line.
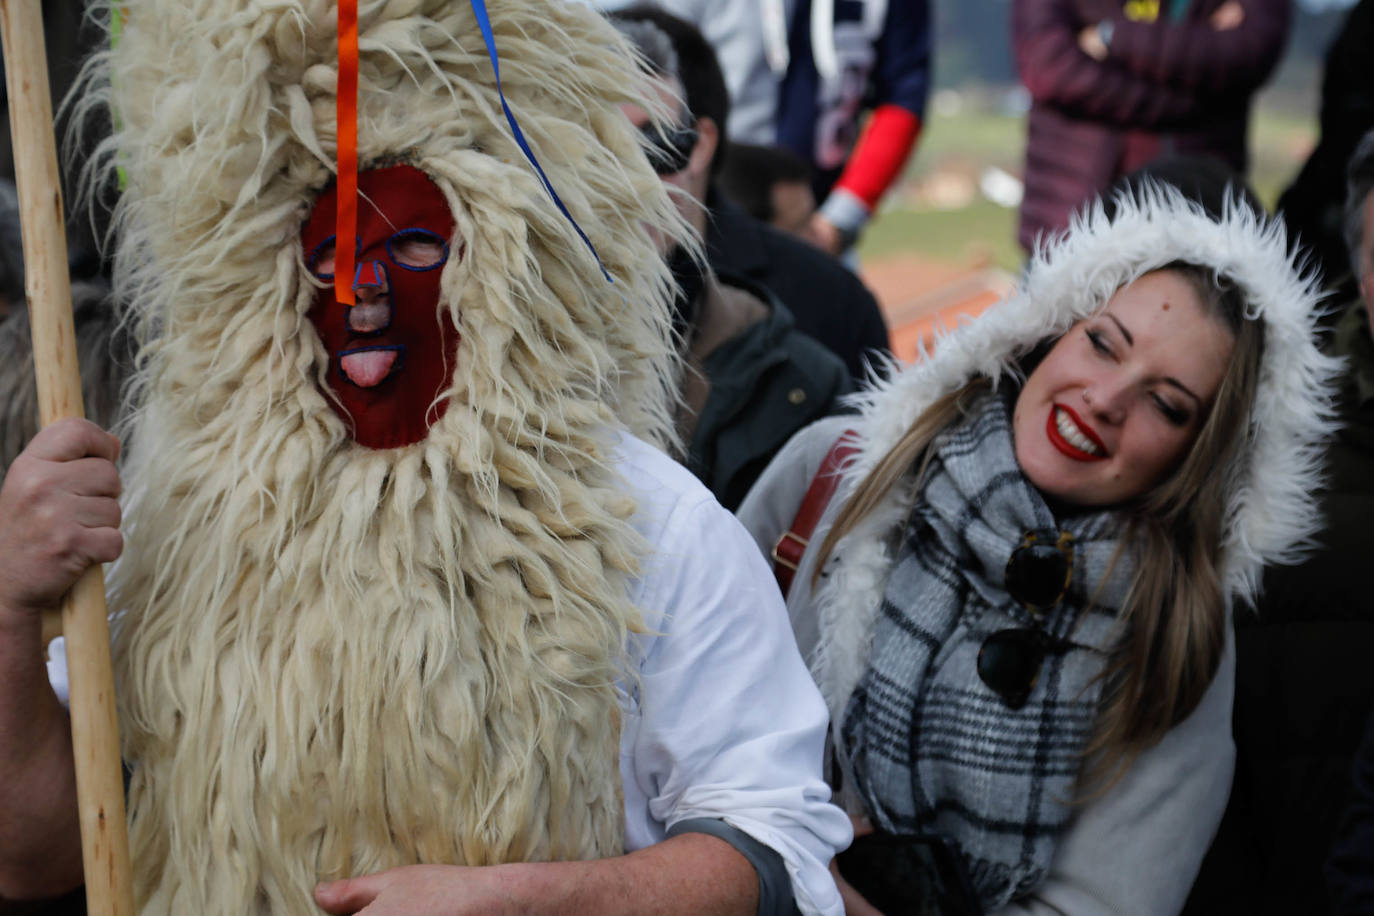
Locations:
{"points": [[1064, 445]]}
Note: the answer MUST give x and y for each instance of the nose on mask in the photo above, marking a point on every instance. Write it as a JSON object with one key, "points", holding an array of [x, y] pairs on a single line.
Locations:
{"points": [[371, 314], [370, 276]]}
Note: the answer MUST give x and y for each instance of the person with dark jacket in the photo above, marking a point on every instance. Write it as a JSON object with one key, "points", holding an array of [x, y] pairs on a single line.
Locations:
{"points": [[763, 381], [1313, 206], [771, 184], [1350, 870], [1113, 86], [751, 379], [1303, 684], [828, 302]]}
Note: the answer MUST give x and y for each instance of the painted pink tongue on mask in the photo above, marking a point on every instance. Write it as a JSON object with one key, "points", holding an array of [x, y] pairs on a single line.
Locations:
{"points": [[368, 368]]}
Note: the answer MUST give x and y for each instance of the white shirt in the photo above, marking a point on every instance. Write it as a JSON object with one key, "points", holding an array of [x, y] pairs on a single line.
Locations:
{"points": [[740, 32], [725, 721]]}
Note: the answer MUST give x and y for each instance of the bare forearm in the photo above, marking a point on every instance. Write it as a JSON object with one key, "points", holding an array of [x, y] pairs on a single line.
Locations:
{"points": [[40, 843], [689, 874], [59, 515]]}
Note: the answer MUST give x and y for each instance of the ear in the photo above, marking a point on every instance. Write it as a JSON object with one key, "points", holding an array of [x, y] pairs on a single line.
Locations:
{"points": [[708, 142]]}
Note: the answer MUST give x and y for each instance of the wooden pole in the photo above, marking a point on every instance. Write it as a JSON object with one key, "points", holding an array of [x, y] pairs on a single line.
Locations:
{"points": [[95, 736]]}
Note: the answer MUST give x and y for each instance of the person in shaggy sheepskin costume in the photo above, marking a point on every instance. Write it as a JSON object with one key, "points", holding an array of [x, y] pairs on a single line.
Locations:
{"points": [[1017, 600], [408, 589]]}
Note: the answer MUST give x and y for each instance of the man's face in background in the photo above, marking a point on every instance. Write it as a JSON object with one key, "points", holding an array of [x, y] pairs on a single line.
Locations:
{"points": [[793, 203], [681, 157]]}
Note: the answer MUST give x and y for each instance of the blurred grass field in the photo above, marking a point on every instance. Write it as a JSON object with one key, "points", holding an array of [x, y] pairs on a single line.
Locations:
{"points": [[938, 213]]}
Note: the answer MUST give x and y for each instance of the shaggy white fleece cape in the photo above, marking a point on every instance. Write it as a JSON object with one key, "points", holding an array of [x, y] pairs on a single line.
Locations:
{"points": [[334, 660]]}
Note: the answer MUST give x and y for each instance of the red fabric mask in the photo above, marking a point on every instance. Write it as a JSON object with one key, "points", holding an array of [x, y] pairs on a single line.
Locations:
{"points": [[393, 352]]}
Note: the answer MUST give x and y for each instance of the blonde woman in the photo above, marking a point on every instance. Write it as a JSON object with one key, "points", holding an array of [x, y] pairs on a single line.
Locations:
{"points": [[1017, 600]]}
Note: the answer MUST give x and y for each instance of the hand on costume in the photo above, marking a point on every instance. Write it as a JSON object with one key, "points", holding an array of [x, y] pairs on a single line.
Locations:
{"points": [[1228, 16], [854, 902], [428, 890], [1090, 42], [824, 234], [59, 514]]}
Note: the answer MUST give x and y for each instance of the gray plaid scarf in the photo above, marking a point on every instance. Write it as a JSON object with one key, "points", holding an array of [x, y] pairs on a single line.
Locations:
{"points": [[931, 748]]}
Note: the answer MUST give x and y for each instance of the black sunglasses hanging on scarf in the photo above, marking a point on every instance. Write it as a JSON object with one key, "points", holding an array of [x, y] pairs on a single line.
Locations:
{"points": [[1038, 575], [921, 874]]}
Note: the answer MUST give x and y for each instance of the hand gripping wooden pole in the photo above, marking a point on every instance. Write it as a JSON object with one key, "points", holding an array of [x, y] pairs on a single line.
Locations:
{"points": [[95, 736]]}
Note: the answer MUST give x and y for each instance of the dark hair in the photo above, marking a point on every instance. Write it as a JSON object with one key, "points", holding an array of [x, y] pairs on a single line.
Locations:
{"points": [[749, 172], [1204, 180], [703, 83], [11, 248], [654, 43]]}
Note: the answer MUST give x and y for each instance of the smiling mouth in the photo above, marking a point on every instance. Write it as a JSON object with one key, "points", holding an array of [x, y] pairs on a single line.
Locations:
{"points": [[1069, 435]]}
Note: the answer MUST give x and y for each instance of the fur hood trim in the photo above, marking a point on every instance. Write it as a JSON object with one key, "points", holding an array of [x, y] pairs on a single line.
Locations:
{"points": [[1270, 510]]}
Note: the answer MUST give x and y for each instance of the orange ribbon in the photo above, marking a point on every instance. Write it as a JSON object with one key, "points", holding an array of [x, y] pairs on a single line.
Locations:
{"points": [[346, 218]]}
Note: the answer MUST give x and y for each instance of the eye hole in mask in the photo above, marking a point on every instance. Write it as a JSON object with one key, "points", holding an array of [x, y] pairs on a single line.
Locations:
{"points": [[321, 260], [417, 250]]}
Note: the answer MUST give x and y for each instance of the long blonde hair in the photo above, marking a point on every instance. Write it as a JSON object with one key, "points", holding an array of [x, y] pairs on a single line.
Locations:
{"points": [[1175, 609]]}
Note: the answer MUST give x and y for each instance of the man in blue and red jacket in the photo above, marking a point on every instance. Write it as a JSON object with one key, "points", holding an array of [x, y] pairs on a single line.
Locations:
{"points": [[802, 73], [862, 57]]}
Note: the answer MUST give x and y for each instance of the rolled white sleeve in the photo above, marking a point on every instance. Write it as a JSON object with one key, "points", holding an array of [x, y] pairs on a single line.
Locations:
{"points": [[726, 723], [57, 670]]}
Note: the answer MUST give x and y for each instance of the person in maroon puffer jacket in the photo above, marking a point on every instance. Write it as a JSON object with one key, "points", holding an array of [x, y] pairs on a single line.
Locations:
{"points": [[1115, 85]]}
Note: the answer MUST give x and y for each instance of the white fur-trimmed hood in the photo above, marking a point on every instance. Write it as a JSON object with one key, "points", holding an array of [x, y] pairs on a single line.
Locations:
{"points": [[1270, 511], [1270, 508]]}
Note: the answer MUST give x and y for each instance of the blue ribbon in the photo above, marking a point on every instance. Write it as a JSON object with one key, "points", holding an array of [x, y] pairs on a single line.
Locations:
{"points": [[479, 8]]}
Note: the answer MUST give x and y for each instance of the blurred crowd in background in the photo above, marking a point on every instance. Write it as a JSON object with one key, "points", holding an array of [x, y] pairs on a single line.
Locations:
{"points": [[798, 120]]}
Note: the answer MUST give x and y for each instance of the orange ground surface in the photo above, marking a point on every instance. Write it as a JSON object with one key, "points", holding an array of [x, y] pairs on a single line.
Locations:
{"points": [[918, 297]]}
